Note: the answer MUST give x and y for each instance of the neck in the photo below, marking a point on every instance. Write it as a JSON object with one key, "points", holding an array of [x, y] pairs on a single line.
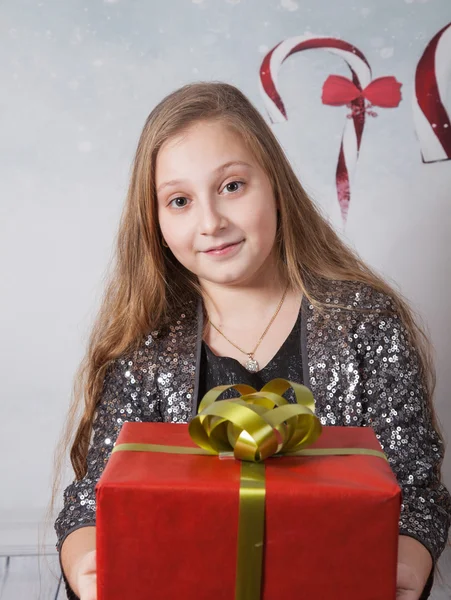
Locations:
{"points": [[243, 306]]}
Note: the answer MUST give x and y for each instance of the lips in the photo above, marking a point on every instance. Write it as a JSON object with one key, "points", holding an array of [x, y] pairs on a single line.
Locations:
{"points": [[222, 246]]}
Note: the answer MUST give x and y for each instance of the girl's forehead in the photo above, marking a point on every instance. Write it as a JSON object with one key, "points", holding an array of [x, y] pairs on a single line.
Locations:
{"points": [[214, 133], [204, 146]]}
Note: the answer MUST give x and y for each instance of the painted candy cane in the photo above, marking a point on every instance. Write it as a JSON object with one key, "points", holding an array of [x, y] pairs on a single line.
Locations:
{"points": [[432, 122], [359, 95]]}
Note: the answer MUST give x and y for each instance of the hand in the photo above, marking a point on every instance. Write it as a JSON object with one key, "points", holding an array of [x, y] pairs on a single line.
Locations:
{"points": [[87, 576], [407, 584]]}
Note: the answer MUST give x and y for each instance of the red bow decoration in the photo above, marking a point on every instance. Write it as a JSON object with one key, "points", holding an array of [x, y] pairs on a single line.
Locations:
{"points": [[384, 91]]}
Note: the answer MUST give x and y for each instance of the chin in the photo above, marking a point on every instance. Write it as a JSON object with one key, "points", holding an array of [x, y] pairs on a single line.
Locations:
{"points": [[231, 274], [226, 278]]}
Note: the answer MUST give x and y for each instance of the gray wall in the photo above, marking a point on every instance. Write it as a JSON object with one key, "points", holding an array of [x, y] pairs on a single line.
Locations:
{"points": [[79, 79]]}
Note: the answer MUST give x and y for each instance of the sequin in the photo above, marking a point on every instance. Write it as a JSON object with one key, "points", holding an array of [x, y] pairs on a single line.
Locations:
{"points": [[360, 366]]}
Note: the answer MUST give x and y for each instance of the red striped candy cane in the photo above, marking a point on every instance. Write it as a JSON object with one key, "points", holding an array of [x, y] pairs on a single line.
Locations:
{"points": [[432, 122], [359, 105]]}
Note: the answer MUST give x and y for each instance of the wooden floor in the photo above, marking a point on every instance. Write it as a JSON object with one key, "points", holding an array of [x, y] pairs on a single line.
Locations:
{"points": [[30, 578]]}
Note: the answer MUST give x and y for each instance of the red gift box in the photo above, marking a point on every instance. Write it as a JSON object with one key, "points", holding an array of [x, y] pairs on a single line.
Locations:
{"points": [[167, 524]]}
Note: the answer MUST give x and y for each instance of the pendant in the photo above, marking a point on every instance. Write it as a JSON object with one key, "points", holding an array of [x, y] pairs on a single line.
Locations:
{"points": [[251, 365]]}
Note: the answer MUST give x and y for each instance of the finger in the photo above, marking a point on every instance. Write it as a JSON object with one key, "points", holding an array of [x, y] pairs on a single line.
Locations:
{"points": [[91, 563], [88, 588]]}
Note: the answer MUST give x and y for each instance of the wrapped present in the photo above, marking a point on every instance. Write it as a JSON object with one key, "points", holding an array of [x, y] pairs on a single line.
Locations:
{"points": [[253, 499]]}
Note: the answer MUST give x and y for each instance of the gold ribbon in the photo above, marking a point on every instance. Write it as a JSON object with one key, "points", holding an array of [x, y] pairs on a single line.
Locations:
{"points": [[252, 428], [256, 425]]}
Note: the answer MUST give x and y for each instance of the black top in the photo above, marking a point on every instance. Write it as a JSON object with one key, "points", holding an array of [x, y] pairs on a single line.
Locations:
{"points": [[222, 370]]}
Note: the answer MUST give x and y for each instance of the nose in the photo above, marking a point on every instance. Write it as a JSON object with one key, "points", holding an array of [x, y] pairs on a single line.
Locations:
{"points": [[211, 217]]}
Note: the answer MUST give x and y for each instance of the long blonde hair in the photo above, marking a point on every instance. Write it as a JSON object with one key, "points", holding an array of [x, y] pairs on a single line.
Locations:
{"points": [[148, 284]]}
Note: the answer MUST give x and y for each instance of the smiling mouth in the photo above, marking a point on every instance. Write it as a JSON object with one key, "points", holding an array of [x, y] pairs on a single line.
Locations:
{"points": [[223, 247]]}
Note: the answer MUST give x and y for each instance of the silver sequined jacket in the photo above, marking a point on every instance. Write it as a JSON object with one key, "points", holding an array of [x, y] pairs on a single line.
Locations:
{"points": [[361, 369]]}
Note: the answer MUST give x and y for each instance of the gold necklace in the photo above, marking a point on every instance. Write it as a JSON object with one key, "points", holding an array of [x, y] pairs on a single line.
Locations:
{"points": [[251, 364]]}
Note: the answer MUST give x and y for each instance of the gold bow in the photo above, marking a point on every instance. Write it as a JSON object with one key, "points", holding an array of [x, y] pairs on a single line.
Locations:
{"points": [[256, 425]]}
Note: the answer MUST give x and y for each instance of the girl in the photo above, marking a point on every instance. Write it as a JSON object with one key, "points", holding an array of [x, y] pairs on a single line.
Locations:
{"points": [[227, 273]]}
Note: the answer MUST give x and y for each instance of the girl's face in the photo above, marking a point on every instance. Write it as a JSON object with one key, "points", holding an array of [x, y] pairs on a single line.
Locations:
{"points": [[216, 207]]}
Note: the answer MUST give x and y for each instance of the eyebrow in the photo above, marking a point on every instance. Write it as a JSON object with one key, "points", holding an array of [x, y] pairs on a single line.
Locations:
{"points": [[217, 171]]}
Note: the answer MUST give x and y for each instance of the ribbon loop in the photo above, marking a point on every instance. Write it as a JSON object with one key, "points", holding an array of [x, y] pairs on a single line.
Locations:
{"points": [[383, 91], [256, 425]]}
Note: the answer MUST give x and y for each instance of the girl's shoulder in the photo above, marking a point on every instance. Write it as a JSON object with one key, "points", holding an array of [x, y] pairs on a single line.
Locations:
{"points": [[352, 295], [162, 344], [358, 315]]}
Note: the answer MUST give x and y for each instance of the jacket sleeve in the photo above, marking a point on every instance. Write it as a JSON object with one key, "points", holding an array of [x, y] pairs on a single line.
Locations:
{"points": [[395, 405], [128, 394]]}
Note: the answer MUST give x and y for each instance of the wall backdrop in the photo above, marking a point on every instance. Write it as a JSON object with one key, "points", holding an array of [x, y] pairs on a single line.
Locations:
{"points": [[357, 92]]}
